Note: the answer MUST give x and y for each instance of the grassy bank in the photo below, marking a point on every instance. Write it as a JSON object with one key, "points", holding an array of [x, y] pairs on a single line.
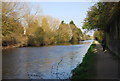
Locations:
{"points": [[86, 69]]}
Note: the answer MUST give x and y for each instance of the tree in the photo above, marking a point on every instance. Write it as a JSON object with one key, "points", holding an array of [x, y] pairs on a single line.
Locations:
{"points": [[37, 39], [53, 23], [34, 32], [62, 22], [77, 33], [99, 35], [100, 15], [71, 22], [12, 29], [48, 36], [64, 33]]}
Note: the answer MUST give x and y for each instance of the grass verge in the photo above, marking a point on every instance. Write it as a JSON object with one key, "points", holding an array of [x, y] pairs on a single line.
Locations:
{"points": [[86, 69]]}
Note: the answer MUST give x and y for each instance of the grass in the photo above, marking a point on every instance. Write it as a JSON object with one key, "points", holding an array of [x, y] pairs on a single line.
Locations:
{"points": [[86, 69]]}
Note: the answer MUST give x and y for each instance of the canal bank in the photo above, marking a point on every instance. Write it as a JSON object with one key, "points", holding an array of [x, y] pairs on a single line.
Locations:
{"points": [[25, 45], [86, 70], [98, 65]]}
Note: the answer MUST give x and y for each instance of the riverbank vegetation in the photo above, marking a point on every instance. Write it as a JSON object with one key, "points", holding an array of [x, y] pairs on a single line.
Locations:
{"points": [[104, 19], [26, 26], [86, 69]]}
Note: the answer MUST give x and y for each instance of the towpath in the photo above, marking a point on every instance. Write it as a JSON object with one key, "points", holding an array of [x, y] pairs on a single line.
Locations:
{"points": [[107, 65]]}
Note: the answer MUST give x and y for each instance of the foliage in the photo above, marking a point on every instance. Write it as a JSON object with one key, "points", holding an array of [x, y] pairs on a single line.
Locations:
{"points": [[62, 22], [71, 22], [11, 28], [100, 15], [99, 35], [22, 26], [46, 35], [64, 33], [77, 33]]}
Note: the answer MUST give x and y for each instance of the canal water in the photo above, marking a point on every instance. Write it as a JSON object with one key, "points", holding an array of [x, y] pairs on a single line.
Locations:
{"points": [[48, 62]]}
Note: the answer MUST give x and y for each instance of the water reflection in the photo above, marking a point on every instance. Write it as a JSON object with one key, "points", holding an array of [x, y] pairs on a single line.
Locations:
{"points": [[48, 62]]}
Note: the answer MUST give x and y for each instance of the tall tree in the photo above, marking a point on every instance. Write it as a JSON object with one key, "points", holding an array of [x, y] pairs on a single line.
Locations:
{"points": [[12, 29]]}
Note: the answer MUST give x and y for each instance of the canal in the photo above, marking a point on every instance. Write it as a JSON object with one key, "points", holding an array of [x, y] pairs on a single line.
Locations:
{"points": [[48, 62]]}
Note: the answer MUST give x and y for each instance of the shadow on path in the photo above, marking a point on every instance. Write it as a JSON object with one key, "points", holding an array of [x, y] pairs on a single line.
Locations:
{"points": [[107, 65]]}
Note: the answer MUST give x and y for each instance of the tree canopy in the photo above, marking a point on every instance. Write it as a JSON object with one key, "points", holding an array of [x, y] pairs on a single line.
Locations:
{"points": [[21, 26], [100, 15]]}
